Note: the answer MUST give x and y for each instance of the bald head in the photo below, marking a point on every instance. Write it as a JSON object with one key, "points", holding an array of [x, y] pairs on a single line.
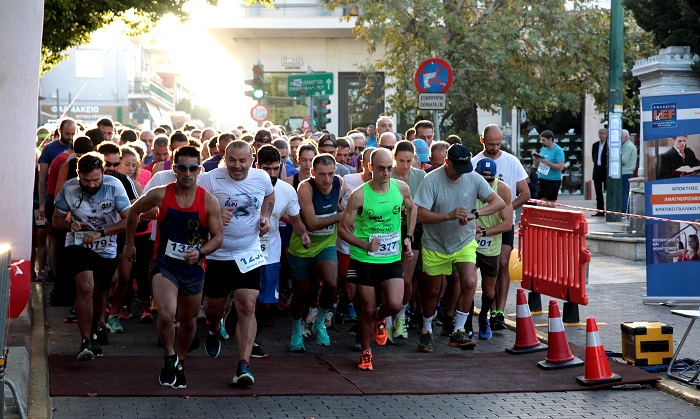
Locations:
{"points": [[387, 139], [492, 139]]}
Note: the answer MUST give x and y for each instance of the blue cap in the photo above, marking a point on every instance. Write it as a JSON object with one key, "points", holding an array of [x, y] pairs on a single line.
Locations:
{"points": [[422, 150], [460, 157], [486, 167]]}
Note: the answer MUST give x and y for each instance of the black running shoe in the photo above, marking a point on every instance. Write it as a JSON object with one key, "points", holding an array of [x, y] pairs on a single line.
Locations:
{"points": [[258, 351], [448, 326], [168, 372], [244, 376], [497, 320], [102, 335], [87, 351], [426, 342], [213, 343], [96, 349], [71, 317], [180, 380]]}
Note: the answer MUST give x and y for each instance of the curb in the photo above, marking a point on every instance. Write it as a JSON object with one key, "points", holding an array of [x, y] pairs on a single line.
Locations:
{"points": [[666, 385], [39, 401]]}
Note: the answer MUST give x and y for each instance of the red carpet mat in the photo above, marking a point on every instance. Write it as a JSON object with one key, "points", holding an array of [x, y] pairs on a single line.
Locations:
{"points": [[459, 373]]}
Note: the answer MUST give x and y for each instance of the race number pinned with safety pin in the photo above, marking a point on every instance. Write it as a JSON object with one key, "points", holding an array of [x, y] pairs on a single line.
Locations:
{"points": [[388, 246], [265, 244], [543, 168], [177, 250], [484, 243], [98, 245], [247, 261]]}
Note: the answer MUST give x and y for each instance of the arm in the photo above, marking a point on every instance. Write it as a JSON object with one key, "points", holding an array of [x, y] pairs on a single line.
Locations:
{"points": [[426, 216], [157, 167], [266, 208], [411, 216], [43, 175], [62, 177], [523, 194], [308, 214], [152, 199], [345, 226], [506, 213], [495, 204], [299, 229], [556, 166]]}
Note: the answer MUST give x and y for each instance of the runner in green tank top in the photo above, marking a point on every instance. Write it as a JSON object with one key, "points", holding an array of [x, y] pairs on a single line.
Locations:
{"points": [[375, 248]]}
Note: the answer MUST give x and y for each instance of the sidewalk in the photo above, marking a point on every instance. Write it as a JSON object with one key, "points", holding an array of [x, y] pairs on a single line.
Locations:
{"points": [[615, 291]]}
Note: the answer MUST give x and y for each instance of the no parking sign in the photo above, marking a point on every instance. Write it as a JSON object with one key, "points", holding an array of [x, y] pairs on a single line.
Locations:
{"points": [[434, 75]]}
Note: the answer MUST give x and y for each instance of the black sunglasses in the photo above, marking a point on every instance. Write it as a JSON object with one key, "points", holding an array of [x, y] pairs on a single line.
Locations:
{"points": [[108, 164], [360, 148], [388, 147], [193, 168]]}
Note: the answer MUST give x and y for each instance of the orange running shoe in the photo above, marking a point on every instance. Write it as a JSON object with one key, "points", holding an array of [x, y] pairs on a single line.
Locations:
{"points": [[380, 335], [366, 361]]}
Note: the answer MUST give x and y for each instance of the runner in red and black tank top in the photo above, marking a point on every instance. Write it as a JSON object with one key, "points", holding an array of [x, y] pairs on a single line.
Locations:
{"points": [[178, 229]]}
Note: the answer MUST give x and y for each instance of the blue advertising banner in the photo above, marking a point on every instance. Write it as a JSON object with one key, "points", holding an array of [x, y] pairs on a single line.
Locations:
{"points": [[671, 134]]}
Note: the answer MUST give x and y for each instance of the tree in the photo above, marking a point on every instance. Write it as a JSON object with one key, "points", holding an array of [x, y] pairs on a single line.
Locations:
{"points": [[69, 23], [537, 54]]}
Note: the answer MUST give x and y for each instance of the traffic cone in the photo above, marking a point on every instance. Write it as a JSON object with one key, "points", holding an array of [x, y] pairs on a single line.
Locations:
{"points": [[525, 336], [597, 365], [558, 354]]}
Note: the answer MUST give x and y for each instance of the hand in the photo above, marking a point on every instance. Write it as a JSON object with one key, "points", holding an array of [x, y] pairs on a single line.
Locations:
{"points": [[264, 225], [192, 255], [42, 212], [407, 251], [76, 225], [478, 232], [305, 240], [130, 252], [458, 213], [91, 236], [374, 245], [226, 215]]}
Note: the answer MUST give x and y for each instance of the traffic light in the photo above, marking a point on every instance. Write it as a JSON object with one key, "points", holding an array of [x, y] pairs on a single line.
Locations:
{"points": [[257, 83], [324, 109]]}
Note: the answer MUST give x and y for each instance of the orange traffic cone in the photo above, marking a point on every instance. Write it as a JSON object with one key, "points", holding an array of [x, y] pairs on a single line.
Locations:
{"points": [[558, 354], [525, 336], [597, 366]]}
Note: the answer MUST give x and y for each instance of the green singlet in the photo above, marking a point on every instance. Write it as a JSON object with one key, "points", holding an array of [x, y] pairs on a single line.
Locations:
{"points": [[489, 245], [381, 217]]}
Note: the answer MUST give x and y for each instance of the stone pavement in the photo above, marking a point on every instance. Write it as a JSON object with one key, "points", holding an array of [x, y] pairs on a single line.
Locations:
{"points": [[615, 290]]}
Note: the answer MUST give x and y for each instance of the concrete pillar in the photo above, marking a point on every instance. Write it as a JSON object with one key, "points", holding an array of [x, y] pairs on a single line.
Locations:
{"points": [[21, 24]]}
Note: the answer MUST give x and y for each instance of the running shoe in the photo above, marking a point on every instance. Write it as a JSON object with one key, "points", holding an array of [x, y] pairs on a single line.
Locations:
{"points": [[243, 375], [460, 339], [350, 314], [306, 328], [426, 341], [366, 361], [114, 325], [338, 320], [102, 334], [87, 351], [224, 333], [448, 326], [484, 329], [258, 351], [96, 349], [329, 319], [497, 321], [322, 338], [380, 335], [297, 343], [167, 373], [125, 313], [146, 315], [71, 317], [213, 343], [400, 328], [180, 380]]}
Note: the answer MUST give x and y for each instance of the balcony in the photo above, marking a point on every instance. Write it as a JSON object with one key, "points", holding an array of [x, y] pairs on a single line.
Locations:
{"points": [[149, 89]]}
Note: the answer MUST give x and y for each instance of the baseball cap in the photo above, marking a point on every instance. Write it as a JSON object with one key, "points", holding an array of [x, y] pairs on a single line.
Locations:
{"points": [[422, 150], [461, 158], [486, 167], [42, 132]]}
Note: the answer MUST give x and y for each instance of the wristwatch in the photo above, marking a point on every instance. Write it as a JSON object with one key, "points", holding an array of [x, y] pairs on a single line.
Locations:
{"points": [[201, 255], [410, 236], [476, 213], [483, 231], [102, 232]]}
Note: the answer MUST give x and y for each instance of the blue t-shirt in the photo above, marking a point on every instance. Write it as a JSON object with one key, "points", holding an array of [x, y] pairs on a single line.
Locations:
{"points": [[554, 155], [211, 163], [371, 142], [52, 149], [291, 170]]}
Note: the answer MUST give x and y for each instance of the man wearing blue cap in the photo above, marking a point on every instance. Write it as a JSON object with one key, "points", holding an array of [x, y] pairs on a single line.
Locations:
{"points": [[446, 201], [489, 231]]}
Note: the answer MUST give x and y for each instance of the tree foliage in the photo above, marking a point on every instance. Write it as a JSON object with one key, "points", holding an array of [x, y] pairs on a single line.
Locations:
{"points": [[540, 55]]}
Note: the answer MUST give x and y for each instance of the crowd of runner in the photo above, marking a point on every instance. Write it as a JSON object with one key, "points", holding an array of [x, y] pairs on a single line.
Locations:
{"points": [[381, 229]]}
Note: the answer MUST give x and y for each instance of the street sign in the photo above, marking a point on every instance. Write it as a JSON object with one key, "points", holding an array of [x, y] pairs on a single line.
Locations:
{"points": [[259, 113], [432, 101], [310, 84], [433, 76]]}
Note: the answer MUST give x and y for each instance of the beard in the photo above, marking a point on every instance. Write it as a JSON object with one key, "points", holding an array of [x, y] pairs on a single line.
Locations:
{"points": [[274, 180], [90, 191], [492, 153]]}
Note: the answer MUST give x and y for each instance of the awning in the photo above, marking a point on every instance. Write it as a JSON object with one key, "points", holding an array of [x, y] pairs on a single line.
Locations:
{"points": [[159, 116]]}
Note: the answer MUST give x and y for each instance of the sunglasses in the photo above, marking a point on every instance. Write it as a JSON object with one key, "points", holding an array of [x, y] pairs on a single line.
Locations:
{"points": [[108, 164], [360, 148], [193, 168], [388, 147], [265, 140]]}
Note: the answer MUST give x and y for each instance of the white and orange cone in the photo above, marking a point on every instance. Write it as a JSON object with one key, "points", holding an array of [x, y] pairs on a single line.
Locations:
{"points": [[525, 335], [558, 353], [597, 365]]}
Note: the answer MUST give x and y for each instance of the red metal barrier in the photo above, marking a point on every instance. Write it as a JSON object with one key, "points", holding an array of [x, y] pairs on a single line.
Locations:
{"points": [[554, 256]]}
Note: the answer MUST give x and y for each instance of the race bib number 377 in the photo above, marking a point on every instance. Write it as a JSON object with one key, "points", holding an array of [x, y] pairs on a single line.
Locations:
{"points": [[389, 245]]}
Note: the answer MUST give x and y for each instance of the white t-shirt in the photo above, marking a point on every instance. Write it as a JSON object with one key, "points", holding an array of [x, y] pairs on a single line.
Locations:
{"points": [[245, 197], [161, 178], [510, 172], [352, 182], [99, 211], [286, 202]]}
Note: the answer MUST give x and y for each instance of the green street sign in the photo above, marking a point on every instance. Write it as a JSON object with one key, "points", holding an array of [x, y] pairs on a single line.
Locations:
{"points": [[310, 84]]}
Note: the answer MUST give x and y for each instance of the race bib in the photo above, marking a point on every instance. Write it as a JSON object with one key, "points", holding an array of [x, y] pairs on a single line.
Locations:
{"points": [[324, 231], [177, 250], [543, 168], [38, 219], [484, 244], [389, 245], [98, 245], [250, 260], [265, 244]]}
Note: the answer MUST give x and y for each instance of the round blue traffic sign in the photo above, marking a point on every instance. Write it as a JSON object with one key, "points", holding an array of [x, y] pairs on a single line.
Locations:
{"points": [[434, 75]]}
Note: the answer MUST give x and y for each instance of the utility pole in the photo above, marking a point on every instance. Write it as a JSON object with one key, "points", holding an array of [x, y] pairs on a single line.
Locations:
{"points": [[613, 198]]}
